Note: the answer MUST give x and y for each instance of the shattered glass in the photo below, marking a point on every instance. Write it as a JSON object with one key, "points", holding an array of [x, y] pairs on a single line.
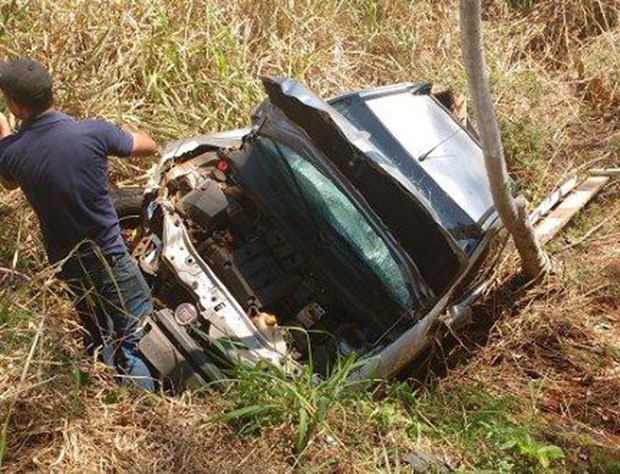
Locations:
{"points": [[333, 206]]}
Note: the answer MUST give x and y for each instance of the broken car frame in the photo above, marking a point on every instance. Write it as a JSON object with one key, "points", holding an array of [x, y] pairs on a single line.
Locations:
{"points": [[387, 175]]}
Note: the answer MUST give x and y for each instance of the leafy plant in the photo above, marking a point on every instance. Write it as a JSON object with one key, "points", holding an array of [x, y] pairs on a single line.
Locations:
{"points": [[479, 422], [542, 454], [265, 395]]}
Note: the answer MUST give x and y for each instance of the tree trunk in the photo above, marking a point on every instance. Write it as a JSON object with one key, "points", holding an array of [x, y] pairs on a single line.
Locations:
{"points": [[512, 213]]}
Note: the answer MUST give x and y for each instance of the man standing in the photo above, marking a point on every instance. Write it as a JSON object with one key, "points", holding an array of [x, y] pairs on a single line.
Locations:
{"points": [[61, 165]]}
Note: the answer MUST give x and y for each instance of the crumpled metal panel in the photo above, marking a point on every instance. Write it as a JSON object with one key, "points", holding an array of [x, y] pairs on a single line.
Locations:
{"points": [[440, 146], [183, 146], [226, 317], [411, 220], [228, 139]]}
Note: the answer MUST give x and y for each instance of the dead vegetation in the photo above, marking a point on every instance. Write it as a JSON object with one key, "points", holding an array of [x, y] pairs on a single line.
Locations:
{"points": [[540, 367]]}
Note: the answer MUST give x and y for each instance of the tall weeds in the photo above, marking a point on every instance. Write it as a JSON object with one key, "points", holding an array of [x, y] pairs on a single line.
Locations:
{"points": [[190, 66]]}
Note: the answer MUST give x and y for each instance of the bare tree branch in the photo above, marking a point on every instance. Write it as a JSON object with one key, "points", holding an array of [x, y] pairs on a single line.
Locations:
{"points": [[512, 212]]}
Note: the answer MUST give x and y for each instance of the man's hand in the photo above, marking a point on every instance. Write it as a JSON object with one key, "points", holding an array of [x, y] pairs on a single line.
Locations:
{"points": [[5, 128], [5, 131], [143, 144]]}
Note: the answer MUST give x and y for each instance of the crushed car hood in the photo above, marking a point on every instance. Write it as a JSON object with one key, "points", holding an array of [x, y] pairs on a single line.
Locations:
{"points": [[406, 212]]}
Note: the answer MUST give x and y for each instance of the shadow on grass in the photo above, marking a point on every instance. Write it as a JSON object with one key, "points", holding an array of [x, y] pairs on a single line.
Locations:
{"points": [[586, 440], [452, 349]]}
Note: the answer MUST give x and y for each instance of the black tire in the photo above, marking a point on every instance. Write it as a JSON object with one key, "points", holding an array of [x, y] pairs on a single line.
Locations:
{"points": [[128, 201]]}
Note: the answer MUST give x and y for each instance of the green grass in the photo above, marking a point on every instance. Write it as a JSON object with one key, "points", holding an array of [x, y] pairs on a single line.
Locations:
{"points": [[523, 149], [592, 457], [504, 435], [15, 326], [604, 460], [265, 395]]}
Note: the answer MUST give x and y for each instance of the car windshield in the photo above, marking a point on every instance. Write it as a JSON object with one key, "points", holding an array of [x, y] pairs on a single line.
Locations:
{"points": [[344, 226]]}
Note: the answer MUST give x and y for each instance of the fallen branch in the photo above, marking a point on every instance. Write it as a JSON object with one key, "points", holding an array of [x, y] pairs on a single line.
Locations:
{"points": [[611, 172]]}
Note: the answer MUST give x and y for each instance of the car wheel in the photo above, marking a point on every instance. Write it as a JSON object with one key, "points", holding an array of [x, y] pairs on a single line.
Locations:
{"points": [[128, 204], [128, 201]]}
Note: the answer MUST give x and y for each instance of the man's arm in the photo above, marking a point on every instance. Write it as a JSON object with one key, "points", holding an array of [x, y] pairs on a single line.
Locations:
{"points": [[143, 144], [5, 128], [5, 131]]}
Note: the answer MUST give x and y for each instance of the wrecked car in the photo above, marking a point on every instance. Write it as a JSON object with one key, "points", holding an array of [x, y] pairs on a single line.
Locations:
{"points": [[327, 228]]}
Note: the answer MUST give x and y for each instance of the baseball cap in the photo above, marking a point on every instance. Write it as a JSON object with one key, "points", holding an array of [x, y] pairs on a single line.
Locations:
{"points": [[25, 81]]}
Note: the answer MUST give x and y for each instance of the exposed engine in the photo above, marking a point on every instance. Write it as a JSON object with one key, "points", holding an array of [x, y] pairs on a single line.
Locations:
{"points": [[267, 275]]}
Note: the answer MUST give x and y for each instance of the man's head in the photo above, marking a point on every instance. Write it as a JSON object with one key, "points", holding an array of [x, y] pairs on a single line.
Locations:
{"points": [[27, 87]]}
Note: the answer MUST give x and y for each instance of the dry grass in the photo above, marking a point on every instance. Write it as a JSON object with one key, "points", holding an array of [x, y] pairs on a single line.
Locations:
{"points": [[190, 66]]}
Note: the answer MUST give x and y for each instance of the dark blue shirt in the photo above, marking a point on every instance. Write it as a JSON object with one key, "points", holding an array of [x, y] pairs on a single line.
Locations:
{"points": [[61, 165]]}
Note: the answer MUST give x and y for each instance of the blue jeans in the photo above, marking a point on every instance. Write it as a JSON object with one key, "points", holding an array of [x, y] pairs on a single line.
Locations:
{"points": [[112, 296]]}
